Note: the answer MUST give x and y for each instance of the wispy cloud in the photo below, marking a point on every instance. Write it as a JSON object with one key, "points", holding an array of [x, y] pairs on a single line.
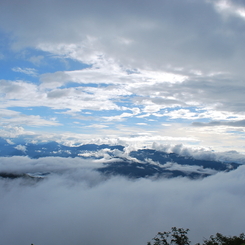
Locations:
{"points": [[27, 71]]}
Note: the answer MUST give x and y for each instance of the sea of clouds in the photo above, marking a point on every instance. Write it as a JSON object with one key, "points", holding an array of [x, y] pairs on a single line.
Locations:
{"points": [[77, 205]]}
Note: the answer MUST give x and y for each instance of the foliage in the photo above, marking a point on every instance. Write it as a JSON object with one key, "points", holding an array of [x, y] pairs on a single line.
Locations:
{"points": [[220, 239], [177, 236]]}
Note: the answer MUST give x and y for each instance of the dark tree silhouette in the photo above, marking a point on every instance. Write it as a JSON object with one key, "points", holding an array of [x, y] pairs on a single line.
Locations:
{"points": [[220, 239], [177, 236]]}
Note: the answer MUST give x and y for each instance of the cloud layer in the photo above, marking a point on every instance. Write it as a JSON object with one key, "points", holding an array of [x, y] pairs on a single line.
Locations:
{"points": [[81, 207], [123, 68]]}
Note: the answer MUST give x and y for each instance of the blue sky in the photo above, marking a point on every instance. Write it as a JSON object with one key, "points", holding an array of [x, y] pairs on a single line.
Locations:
{"points": [[124, 72]]}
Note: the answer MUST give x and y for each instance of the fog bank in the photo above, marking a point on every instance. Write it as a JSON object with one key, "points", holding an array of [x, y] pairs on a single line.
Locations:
{"points": [[80, 206]]}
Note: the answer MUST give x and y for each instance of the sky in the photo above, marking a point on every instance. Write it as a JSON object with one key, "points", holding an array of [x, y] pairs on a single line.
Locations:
{"points": [[123, 72]]}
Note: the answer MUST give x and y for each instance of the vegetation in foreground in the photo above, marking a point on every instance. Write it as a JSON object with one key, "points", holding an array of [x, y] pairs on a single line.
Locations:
{"points": [[178, 236]]}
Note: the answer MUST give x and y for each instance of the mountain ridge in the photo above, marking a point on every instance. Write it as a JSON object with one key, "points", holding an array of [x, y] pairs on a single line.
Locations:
{"points": [[141, 163]]}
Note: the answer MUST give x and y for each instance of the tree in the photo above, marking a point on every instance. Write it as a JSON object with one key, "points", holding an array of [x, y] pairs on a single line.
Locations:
{"points": [[220, 239], [177, 236]]}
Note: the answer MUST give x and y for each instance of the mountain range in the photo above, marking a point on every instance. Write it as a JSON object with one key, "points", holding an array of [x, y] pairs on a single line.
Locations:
{"points": [[141, 163]]}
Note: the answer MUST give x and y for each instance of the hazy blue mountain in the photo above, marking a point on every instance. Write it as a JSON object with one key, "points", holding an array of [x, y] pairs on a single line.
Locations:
{"points": [[136, 164], [163, 157]]}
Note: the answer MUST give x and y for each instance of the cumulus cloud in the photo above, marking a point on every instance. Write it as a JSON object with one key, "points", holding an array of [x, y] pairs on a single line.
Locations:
{"points": [[13, 131], [21, 148], [200, 152]]}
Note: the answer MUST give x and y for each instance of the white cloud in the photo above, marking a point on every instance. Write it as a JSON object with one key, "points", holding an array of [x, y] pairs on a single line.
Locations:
{"points": [[201, 153], [21, 148], [14, 118], [9, 142], [229, 8], [182, 113], [141, 124], [13, 131], [97, 126], [28, 71], [23, 94], [187, 168], [121, 117]]}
